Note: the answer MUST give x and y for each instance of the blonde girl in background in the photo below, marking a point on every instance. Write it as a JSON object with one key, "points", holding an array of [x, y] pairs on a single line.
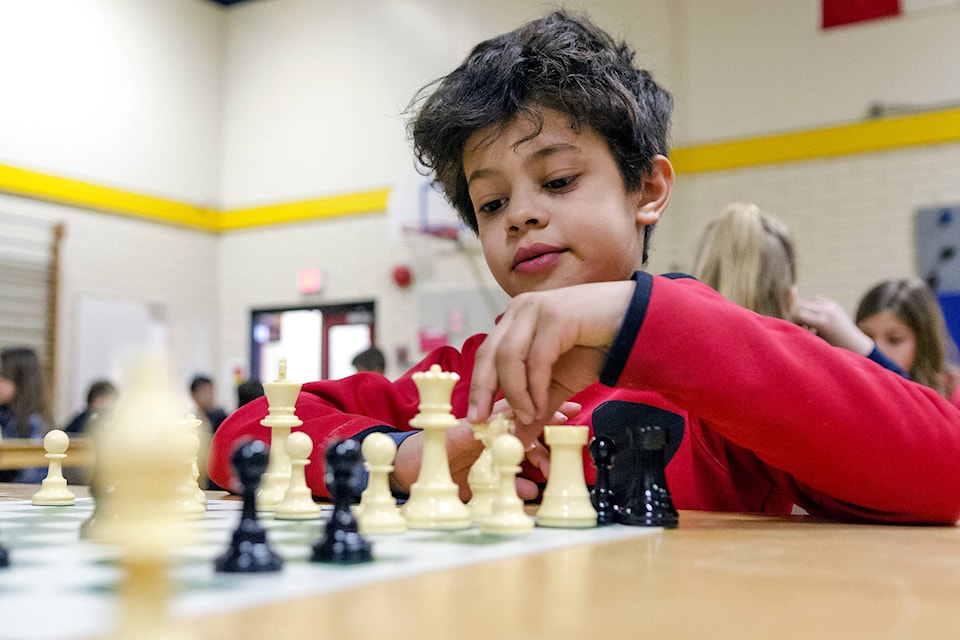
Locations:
{"points": [[748, 256]]}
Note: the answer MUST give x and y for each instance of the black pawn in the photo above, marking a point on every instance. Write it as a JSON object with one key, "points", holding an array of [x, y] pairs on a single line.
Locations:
{"points": [[249, 551], [341, 542], [602, 450], [649, 503], [4, 557]]}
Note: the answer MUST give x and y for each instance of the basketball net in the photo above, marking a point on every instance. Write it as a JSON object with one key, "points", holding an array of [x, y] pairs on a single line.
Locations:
{"points": [[426, 224]]}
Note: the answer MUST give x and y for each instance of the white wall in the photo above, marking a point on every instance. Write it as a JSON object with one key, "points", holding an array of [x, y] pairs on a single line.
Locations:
{"points": [[305, 77], [753, 66], [123, 93], [315, 89]]}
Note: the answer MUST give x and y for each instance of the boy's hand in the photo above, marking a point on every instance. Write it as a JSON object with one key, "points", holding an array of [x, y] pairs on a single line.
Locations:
{"points": [[462, 451], [548, 346], [829, 320]]}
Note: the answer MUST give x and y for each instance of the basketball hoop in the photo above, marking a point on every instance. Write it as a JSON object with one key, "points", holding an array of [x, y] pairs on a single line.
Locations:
{"points": [[425, 223]]}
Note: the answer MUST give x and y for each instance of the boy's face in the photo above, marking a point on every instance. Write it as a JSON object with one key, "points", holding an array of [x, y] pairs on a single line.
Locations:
{"points": [[553, 211]]}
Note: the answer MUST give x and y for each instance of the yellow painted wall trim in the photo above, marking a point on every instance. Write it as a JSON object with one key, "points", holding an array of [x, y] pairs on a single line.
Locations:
{"points": [[344, 205], [76, 193], [866, 137], [40, 186]]}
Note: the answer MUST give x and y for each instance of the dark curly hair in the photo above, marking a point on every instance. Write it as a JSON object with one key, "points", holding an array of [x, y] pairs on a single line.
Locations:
{"points": [[562, 62]]}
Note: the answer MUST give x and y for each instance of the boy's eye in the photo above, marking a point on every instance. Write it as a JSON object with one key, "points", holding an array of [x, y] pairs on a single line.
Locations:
{"points": [[491, 207], [559, 183]]}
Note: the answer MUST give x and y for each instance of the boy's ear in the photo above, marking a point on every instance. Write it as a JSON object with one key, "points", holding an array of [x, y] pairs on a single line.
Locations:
{"points": [[655, 192]]}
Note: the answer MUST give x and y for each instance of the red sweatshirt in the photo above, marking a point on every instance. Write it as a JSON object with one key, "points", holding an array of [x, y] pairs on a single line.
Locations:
{"points": [[766, 414]]}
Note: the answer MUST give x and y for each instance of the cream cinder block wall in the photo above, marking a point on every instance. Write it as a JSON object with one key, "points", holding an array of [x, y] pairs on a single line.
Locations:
{"points": [[852, 218]]}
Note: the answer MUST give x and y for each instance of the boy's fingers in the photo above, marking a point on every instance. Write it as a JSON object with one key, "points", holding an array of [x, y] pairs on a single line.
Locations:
{"points": [[512, 371], [570, 409], [512, 361], [527, 489], [484, 382], [483, 387], [541, 356], [528, 432], [540, 343], [497, 366], [539, 456]]}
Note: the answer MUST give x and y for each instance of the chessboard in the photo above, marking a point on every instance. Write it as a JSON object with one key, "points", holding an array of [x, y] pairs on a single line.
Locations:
{"points": [[58, 586]]}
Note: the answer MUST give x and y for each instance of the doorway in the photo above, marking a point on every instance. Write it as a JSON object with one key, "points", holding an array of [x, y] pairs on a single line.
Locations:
{"points": [[318, 342]]}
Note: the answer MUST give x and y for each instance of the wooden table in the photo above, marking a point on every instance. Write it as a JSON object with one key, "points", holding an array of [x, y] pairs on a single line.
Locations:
{"points": [[717, 576], [22, 453]]}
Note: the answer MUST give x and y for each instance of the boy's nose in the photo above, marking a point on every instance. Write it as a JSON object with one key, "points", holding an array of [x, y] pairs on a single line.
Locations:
{"points": [[526, 214], [529, 222]]}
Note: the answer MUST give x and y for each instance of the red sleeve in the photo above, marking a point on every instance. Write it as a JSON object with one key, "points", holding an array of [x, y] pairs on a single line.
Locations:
{"points": [[338, 409], [861, 441]]}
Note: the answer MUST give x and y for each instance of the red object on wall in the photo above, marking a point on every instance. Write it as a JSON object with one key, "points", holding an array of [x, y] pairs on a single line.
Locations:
{"points": [[309, 280], [840, 12], [402, 276]]}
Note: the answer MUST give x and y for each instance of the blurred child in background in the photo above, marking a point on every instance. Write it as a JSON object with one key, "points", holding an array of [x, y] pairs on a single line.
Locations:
{"points": [[747, 255], [23, 408], [101, 396], [902, 320]]}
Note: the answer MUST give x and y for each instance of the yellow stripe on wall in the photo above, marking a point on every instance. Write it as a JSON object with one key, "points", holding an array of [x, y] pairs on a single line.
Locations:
{"points": [[865, 137], [32, 184], [345, 205]]}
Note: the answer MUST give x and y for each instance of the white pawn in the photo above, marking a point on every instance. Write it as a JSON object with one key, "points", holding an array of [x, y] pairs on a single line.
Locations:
{"points": [[187, 444], [483, 478], [53, 490], [193, 424], [378, 512], [508, 516], [566, 499], [297, 503]]}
